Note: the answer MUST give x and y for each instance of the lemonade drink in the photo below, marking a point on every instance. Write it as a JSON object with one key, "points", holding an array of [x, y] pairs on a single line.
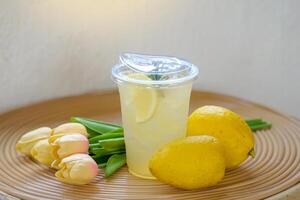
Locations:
{"points": [[154, 106]]}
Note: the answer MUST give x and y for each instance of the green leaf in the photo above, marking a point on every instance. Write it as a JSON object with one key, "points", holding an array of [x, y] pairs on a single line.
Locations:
{"points": [[258, 124], [101, 160], [96, 126], [95, 145], [120, 130], [262, 126], [102, 165], [253, 121], [112, 144], [100, 152], [114, 163], [105, 136], [91, 132]]}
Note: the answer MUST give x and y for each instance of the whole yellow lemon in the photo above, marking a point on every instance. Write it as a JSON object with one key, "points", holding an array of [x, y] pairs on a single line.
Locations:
{"points": [[228, 127], [190, 163]]}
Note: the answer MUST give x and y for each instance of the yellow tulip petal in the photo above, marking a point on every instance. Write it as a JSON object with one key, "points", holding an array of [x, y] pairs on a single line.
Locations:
{"points": [[25, 147], [40, 133], [41, 151], [69, 128], [28, 140], [71, 144]]}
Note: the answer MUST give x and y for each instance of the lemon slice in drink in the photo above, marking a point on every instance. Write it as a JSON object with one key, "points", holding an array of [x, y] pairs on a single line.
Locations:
{"points": [[144, 99]]}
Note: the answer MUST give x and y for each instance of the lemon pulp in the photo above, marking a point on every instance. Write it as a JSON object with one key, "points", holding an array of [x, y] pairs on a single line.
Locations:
{"points": [[145, 99]]}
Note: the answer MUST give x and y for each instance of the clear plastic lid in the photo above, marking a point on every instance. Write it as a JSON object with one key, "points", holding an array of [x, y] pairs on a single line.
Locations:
{"points": [[159, 70]]}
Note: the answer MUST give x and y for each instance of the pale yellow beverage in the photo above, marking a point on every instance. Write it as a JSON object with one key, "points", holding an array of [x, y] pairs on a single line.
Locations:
{"points": [[154, 110]]}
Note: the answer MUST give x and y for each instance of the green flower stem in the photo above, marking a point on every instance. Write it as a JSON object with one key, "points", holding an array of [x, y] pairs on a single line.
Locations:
{"points": [[254, 121], [100, 152], [97, 138], [258, 124]]}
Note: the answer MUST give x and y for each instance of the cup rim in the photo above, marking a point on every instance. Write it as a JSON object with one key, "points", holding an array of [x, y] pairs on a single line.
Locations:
{"points": [[117, 78]]}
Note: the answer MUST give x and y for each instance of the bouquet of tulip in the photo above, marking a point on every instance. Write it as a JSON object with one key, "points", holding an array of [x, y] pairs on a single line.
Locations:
{"points": [[77, 150]]}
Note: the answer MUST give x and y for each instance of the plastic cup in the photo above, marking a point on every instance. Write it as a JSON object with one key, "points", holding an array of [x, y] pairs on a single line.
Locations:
{"points": [[155, 94]]}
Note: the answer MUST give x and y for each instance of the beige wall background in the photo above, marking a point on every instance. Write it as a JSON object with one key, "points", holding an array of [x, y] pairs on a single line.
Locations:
{"points": [[55, 48]]}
